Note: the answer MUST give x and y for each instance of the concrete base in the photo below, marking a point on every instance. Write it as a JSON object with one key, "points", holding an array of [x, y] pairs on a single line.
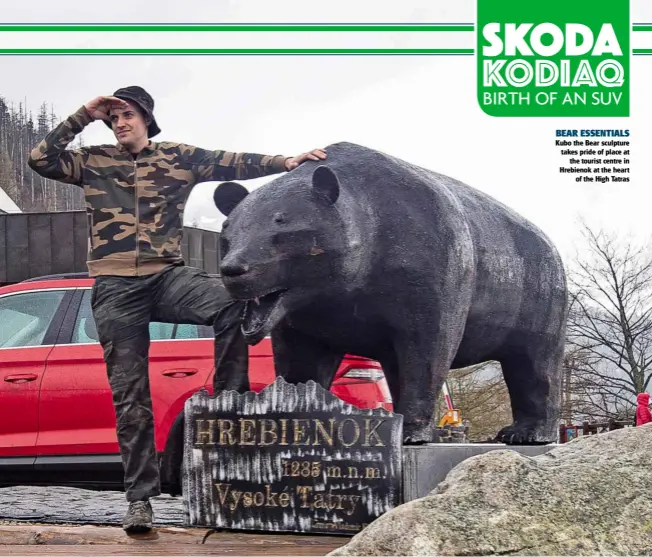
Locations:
{"points": [[425, 466]]}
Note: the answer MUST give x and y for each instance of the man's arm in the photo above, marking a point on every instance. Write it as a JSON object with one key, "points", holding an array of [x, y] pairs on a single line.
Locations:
{"points": [[51, 159], [225, 165]]}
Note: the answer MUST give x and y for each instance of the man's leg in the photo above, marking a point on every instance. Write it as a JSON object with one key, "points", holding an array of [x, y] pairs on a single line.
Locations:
{"points": [[189, 295], [122, 308]]}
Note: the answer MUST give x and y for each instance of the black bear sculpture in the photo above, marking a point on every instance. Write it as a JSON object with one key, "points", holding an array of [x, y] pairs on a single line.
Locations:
{"points": [[367, 254]]}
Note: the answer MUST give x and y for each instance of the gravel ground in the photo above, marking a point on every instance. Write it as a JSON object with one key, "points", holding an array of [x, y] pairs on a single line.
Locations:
{"points": [[67, 505]]}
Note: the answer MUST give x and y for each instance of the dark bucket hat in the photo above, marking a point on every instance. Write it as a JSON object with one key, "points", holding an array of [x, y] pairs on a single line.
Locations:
{"points": [[143, 99]]}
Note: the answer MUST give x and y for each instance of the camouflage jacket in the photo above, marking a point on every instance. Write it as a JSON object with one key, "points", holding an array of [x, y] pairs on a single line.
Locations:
{"points": [[135, 205]]}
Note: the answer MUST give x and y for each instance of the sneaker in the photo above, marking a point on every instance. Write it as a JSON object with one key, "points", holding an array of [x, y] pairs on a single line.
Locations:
{"points": [[139, 517]]}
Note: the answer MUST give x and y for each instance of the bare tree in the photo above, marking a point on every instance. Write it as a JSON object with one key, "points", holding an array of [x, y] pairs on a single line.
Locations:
{"points": [[481, 395], [581, 397], [610, 325]]}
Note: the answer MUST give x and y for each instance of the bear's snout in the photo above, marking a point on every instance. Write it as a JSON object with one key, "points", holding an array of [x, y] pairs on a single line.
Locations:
{"points": [[234, 269]]}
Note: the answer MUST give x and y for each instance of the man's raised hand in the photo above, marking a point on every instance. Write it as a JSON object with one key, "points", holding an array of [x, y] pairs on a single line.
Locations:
{"points": [[100, 107]]}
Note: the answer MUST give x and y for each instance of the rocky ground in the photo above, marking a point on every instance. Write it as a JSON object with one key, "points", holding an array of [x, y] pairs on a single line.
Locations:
{"points": [[66, 505]]}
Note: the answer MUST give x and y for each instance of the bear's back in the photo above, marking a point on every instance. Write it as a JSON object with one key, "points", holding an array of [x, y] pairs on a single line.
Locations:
{"points": [[399, 190]]}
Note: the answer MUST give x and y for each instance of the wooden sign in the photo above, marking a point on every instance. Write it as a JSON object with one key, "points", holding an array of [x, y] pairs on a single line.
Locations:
{"points": [[291, 458]]}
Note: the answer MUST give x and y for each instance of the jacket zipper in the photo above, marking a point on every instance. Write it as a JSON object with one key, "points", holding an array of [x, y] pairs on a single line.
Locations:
{"points": [[136, 201]]}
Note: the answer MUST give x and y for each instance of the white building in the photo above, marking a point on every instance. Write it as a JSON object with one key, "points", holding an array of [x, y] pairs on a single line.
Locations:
{"points": [[7, 205]]}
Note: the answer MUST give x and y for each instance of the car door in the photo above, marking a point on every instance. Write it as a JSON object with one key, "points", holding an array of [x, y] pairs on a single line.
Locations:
{"points": [[29, 323], [76, 408], [181, 359]]}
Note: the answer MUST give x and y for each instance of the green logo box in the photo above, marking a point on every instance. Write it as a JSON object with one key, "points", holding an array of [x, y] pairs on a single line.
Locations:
{"points": [[554, 58]]}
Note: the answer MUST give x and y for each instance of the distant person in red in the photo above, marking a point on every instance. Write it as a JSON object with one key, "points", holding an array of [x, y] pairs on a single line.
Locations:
{"points": [[643, 415]]}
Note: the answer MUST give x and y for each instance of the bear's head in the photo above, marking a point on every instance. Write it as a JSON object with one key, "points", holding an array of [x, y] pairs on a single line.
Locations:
{"points": [[283, 245]]}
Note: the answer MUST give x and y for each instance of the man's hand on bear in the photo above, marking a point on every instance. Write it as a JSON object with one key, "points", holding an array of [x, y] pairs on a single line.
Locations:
{"points": [[315, 155]]}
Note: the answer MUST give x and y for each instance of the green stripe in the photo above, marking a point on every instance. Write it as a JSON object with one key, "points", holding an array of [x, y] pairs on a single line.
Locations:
{"points": [[452, 51], [236, 51], [235, 27], [255, 28]]}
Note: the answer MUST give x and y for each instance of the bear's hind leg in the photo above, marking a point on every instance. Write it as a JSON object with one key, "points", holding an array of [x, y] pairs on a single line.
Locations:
{"points": [[533, 377]]}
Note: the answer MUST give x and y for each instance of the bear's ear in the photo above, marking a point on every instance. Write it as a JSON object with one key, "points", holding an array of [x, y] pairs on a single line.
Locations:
{"points": [[326, 183], [227, 196]]}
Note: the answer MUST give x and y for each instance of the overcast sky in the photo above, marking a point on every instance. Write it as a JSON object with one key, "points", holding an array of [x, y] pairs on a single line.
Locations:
{"points": [[422, 109]]}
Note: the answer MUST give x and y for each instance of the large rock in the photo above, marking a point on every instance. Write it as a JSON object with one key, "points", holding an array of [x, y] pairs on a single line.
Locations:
{"points": [[592, 496]]}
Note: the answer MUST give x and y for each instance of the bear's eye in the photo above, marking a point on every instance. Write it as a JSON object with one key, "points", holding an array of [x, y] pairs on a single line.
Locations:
{"points": [[225, 224], [279, 218]]}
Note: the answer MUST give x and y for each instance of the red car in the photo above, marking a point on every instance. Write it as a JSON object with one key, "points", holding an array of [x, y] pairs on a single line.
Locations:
{"points": [[57, 423]]}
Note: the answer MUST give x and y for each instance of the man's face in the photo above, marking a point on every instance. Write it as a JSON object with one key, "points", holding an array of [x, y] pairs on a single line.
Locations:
{"points": [[128, 124]]}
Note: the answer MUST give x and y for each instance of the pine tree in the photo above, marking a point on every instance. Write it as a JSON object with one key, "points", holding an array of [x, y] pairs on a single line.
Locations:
{"points": [[43, 127], [19, 134]]}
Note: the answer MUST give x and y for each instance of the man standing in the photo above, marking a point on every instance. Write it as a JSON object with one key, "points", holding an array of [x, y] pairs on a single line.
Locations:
{"points": [[135, 195]]}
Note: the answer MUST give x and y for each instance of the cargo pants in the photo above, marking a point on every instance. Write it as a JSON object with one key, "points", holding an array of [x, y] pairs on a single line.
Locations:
{"points": [[123, 308]]}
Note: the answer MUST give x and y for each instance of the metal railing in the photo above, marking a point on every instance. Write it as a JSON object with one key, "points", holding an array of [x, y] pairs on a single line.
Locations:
{"points": [[568, 432]]}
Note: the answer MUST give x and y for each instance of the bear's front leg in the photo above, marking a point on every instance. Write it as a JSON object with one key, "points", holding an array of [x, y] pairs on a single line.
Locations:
{"points": [[415, 379], [299, 358]]}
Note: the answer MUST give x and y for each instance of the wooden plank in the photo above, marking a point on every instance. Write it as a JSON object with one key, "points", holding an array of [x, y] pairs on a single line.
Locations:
{"points": [[18, 245], [109, 540], [184, 245], [35, 244], [170, 549], [80, 239], [195, 258], [22, 534], [63, 247], [3, 248], [40, 244], [211, 259], [219, 250]]}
